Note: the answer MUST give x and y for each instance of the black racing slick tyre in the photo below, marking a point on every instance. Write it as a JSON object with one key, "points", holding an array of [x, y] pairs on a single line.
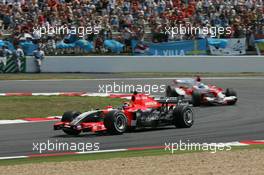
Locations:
{"points": [[230, 92], [115, 122], [183, 116], [68, 117], [196, 98], [170, 92]]}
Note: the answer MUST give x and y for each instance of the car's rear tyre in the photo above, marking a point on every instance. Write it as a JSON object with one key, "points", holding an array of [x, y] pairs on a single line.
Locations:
{"points": [[115, 122], [68, 117], [196, 98], [183, 116]]}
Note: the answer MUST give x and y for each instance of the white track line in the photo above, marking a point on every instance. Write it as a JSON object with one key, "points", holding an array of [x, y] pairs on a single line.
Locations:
{"points": [[13, 157], [230, 144], [3, 122], [16, 121], [46, 94], [103, 151]]}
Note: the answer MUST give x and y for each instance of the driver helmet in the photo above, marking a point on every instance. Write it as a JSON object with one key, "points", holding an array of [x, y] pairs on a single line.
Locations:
{"points": [[125, 104], [198, 79]]}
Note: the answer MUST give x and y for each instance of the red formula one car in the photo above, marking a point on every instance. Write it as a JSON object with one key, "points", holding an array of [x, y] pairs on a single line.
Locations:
{"points": [[141, 111], [201, 94]]}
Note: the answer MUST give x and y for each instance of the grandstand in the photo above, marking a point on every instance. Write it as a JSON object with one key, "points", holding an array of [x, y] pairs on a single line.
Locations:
{"points": [[125, 21]]}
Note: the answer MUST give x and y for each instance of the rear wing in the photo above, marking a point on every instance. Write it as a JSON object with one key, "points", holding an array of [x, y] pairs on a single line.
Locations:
{"points": [[174, 100], [187, 81]]}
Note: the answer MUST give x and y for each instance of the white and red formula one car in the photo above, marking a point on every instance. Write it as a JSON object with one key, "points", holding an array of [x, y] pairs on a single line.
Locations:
{"points": [[200, 93]]}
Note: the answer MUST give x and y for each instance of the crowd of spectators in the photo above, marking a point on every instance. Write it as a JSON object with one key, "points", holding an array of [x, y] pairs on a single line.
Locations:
{"points": [[125, 20]]}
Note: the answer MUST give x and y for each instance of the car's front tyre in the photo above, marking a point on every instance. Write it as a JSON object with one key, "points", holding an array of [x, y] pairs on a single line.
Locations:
{"points": [[68, 117], [231, 92], [116, 122]]}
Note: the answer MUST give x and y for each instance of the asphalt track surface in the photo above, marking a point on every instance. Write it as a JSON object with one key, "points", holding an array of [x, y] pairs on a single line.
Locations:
{"points": [[244, 121]]}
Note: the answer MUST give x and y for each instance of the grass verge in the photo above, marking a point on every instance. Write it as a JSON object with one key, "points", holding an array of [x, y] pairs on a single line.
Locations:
{"points": [[102, 156], [41, 106], [53, 76]]}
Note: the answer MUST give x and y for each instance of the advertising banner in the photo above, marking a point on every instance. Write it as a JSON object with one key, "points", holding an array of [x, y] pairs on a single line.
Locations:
{"points": [[234, 46], [175, 48], [260, 46]]}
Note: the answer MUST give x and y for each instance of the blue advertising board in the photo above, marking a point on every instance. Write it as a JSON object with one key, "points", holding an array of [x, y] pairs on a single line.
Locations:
{"points": [[175, 48]]}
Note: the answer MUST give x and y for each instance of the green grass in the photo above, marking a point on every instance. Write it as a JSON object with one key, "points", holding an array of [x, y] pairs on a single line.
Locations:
{"points": [[41, 106], [102, 156], [30, 76]]}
